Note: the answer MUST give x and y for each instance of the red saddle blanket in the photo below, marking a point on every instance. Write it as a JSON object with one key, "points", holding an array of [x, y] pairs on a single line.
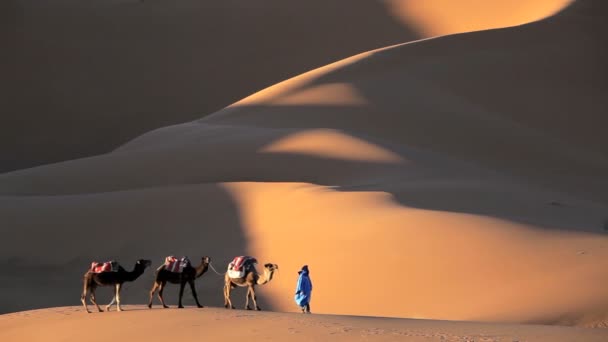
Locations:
{"points": [[100, 267], [239, 262], [173, 264]]}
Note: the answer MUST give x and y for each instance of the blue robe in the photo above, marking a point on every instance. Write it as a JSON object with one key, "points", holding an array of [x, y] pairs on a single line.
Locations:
{"points": [[303, 289]]}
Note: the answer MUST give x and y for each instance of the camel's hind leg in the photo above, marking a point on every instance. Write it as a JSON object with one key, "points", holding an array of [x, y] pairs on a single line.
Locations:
{"points": [[227, 302], [161, 288], [247, 307], [154, 288], [92, 298], [83, 296]]}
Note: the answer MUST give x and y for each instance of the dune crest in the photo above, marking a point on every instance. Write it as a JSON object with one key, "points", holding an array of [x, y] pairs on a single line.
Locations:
{"points": [[327, 94], [163, 62], [440, 17], [332, 144]]}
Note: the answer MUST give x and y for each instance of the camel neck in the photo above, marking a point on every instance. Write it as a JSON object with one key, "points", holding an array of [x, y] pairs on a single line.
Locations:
{"points": [[201, 269], [266, 277], [137, 271]]}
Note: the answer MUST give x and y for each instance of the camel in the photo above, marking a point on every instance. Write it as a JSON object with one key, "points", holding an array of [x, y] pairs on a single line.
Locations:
{"points": [[250, 280], [92, 280], [188, 275]]}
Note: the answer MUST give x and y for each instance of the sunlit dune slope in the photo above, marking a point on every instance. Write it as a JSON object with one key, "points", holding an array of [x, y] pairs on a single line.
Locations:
{"points": [[441, 179], [534, 95], [422, 263], [81, 78], [439, 17], [439, 261]]}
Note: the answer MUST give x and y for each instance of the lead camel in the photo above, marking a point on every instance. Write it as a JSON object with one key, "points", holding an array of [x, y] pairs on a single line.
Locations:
{"points": [[249, 280]]}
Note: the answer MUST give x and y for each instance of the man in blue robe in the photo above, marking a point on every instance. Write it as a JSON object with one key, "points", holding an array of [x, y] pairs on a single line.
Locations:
{"points": [[303, 290]]}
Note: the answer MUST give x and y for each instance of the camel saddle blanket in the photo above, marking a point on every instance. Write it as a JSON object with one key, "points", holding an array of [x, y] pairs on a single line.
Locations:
{"points": [[101, 267], [173, 264], [240, 265]]}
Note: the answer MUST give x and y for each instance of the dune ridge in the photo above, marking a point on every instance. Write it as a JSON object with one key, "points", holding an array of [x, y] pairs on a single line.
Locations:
{"points": [[116, 69], [436, 18]]}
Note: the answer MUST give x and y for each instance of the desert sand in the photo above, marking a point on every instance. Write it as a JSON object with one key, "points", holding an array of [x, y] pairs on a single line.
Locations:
{"points": [[139, 324], [459, 177]]}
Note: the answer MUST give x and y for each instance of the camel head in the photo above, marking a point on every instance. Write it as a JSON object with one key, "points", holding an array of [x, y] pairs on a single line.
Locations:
{"points": [[271, 267], [202, 268], [143, 263], [268, 273]]}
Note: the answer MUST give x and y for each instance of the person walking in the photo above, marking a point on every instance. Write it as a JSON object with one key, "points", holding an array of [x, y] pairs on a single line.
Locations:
{"points": [[303, 290]]}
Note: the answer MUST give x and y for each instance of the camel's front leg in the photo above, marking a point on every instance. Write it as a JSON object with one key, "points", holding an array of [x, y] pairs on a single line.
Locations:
{"points": [[160, 294], [254, 299], [92, 298], [181, 294], [193, 288], [117, 295]]}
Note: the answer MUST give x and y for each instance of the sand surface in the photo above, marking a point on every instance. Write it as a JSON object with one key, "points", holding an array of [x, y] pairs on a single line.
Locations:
{"points": [[141, 324], [438, 179]]}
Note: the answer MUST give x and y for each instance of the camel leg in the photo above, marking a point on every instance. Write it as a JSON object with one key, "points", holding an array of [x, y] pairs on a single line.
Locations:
{"points": [[109, 306], [247, 298], [160, 294], [92, 299], [193, 288], [226, 296], [181, 293], [118, 288], [83, 296], [227, 302], [154, 287], [254, 299]]}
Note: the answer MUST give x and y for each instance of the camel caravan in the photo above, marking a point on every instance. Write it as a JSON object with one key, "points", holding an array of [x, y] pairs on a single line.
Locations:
{"points": [[241, 272]]}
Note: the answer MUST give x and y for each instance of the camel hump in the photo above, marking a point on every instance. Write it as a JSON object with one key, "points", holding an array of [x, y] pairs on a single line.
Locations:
{"points": [[240, 265], [243, 261], [177, 265], [107, 266]]}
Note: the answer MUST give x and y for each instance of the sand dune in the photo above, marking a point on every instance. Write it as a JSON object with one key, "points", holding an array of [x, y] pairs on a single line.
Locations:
{"points": [[440, 17], [203, 324], [331, 144], [501, 90], [80, 79], [442, 179]]}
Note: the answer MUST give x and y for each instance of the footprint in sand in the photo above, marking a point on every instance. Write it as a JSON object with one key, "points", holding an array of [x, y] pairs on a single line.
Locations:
{"points": [[293, 331]]}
